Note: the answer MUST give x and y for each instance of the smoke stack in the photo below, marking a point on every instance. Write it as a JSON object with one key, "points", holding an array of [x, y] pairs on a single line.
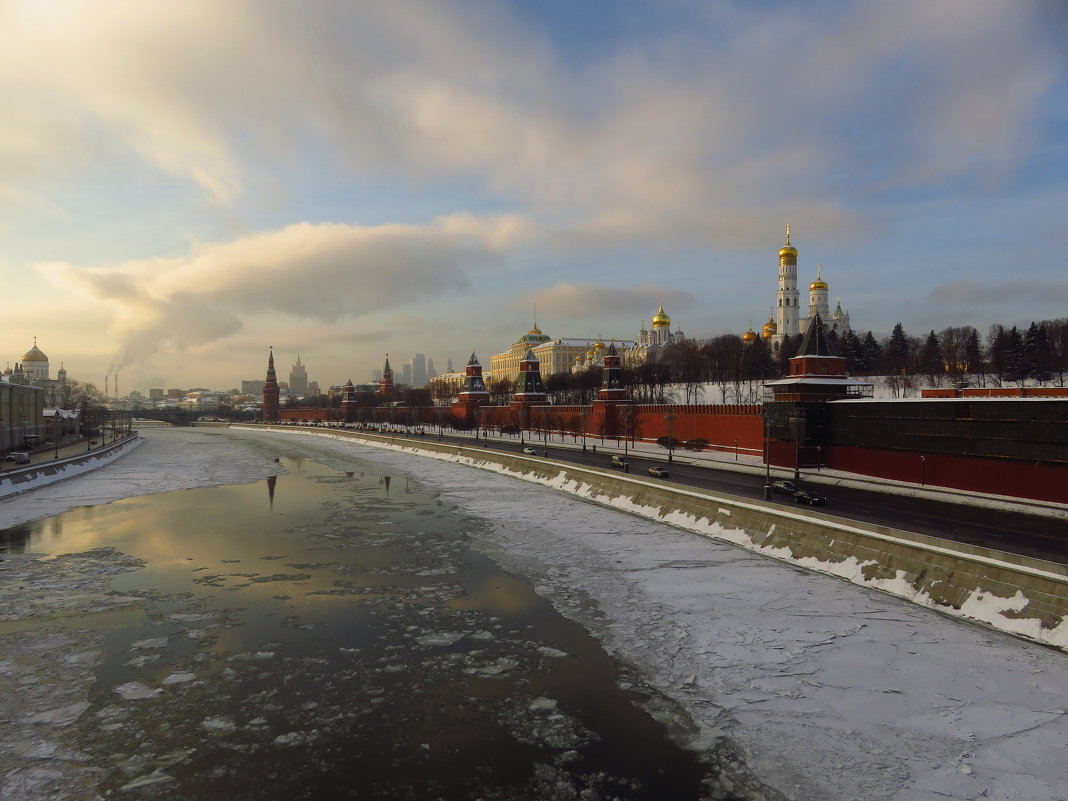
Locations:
{"points": [[105, 386]]}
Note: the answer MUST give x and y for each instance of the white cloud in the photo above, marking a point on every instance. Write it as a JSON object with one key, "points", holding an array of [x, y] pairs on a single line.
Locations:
{"points": [[320, 273]]}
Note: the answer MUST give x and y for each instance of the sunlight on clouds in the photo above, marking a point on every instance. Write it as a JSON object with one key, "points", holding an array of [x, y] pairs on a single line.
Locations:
{"points": [[319, 272]]}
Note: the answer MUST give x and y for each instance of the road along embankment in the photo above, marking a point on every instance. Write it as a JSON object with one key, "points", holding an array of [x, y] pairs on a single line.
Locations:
{"points": [[20, 479], [1015, 594]]}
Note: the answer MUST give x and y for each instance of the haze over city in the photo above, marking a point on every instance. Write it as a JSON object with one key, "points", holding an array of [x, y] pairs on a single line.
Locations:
{"points": [[184, 184]]}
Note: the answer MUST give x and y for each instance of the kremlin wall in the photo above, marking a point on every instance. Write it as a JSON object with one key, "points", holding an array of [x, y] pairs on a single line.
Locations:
{"points": [[1003, 442]]}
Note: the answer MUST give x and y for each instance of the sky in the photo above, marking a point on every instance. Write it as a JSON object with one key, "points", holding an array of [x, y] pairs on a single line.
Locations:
{"points": [[184, 184]]}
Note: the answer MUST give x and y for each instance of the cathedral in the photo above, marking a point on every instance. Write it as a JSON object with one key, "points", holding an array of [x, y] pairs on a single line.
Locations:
{"points": [[786, 316], [650, 343]]}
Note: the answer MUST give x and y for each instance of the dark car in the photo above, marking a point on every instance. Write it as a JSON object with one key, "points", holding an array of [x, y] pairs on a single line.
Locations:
{"points": [[785, 487], [809, 497], [18, 457], [658, 472]]}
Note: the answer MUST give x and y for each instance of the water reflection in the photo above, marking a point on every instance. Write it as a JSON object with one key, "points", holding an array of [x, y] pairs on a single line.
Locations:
{"points": [[340, 642]]}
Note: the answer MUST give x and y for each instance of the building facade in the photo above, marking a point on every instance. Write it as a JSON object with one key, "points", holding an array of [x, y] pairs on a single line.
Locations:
{"points": [[790, 318]]}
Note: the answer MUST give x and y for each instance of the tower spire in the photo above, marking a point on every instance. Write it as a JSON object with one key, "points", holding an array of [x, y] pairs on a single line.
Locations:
{"points": [[787, 233]]}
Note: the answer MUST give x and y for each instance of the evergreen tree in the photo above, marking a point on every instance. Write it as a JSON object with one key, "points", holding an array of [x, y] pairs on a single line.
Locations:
{"points": [[973, 354], [997, 351], [897, 352], [1017, 367], [1037, 353], [872, 353], [852, 350], [930, 360]]}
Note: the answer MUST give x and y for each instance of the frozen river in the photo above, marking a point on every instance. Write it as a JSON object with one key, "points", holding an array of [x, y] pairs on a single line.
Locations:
{"points": [[349, 622]]}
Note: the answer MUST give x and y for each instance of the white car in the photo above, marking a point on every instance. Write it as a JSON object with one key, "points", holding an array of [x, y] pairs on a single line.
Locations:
{"points": [[529, 451]]}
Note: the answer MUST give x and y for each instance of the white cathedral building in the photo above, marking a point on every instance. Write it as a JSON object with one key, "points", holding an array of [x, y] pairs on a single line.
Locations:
{"points": [[786, 316]]}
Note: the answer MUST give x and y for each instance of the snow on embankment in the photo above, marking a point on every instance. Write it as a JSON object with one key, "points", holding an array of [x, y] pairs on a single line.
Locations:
{"points": [[1018, 595], [25, 478]]}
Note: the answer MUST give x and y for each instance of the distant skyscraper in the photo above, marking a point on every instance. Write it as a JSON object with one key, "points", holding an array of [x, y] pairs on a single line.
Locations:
{"points": [[419, 370], [298, 379], [376, 376], [406, 374], [449, 368], [430, 371]]}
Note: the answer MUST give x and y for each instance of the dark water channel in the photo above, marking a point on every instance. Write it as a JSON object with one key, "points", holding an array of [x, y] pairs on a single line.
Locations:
{"points": [[325, 634]]}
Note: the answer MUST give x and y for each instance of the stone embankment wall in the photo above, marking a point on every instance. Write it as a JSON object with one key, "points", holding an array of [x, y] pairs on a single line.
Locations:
{"points": [[20, 479], [1015, 594]]}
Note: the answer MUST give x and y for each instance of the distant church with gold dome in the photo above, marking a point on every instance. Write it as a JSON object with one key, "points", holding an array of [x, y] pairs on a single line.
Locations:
{"points": [[788, 317], [651, 342]]}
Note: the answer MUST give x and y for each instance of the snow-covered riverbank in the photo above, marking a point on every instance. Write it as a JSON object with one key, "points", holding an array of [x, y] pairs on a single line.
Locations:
{"points": [[835, 692]]}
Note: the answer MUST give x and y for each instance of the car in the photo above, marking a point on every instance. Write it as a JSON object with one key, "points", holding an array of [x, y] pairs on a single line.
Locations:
{"points": [[529, 451], [785, 487], [658, 472], [18, 457], [809, 497], [619, 461]]}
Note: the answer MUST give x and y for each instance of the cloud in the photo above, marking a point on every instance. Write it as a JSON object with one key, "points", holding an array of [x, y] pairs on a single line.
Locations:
{"points": [[999, 293], [321, 273], [579, 301], [681, 133]]}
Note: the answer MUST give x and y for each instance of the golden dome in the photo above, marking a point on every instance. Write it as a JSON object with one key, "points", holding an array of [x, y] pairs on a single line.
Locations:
{"points": [[819, 283], [660, 319], [770, 329], [34, 354], [749, 336], [787, 253]]}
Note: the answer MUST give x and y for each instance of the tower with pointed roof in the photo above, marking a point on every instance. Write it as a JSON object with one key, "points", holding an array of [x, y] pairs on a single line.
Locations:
{"points": [[528, 387], [612, 378], [270, 389], [298, 378], [816, 373], [474, 392], [385, 386], [349, 405]]}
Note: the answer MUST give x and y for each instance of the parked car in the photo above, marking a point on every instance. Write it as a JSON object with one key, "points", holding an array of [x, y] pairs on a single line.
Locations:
{"points": [[619, 461], [785, 487], [529, 451], [18, 457], [809, 497], [658, 472]]}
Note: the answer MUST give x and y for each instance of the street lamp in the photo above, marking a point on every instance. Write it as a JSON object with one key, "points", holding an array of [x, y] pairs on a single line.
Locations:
{"points": [[767, 454], [670, 418], [923, 471]]}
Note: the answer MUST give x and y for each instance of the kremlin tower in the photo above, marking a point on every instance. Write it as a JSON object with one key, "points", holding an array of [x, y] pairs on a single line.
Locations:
{"points": [[270, 391], [385, 386], [348, 402], [529, 390], [474, 392], [612, 378]]}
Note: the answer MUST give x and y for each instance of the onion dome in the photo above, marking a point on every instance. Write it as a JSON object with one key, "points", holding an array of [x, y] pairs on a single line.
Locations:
{"points": [[770, 329], [749, 336], [660, 319], [787, 253], [34, 354], [819, 283]]}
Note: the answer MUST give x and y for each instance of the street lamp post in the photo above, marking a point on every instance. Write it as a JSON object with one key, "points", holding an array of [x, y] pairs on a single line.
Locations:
{"points": [[923, 471], [626, 431], [670, 418], [767, 455]]}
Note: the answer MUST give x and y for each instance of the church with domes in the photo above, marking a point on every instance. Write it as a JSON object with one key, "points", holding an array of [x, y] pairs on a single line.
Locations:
{"points": [[788, 316], [650, 342]]}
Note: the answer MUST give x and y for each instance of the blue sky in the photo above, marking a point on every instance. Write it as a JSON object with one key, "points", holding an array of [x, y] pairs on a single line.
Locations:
{"points": [[184, 184]]}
